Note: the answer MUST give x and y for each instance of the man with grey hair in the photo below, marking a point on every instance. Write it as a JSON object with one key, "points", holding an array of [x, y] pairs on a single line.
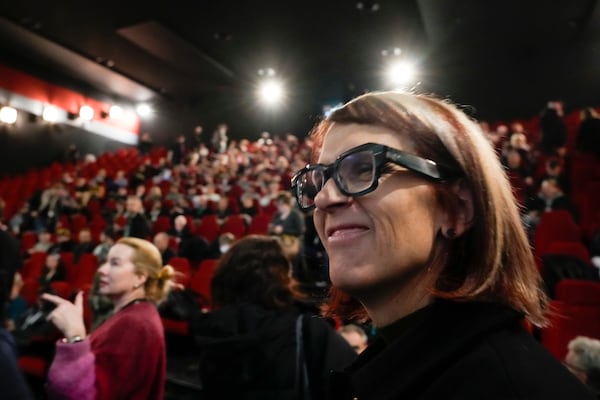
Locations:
{"points": [[162, 242], [583, 360]]}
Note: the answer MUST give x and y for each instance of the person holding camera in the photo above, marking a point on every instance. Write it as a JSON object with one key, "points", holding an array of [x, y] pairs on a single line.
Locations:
{"points": [[125, 357], [424, 240]]}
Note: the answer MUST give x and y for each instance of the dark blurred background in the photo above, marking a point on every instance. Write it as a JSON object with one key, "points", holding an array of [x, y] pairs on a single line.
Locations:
{"points": [[199, 63]]}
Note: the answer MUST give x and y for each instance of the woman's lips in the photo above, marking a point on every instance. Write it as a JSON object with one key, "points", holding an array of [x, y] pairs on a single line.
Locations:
{"points": [[343, 232]]}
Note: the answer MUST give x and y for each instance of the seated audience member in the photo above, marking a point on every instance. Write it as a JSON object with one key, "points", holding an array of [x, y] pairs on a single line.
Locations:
{"points": [[124, 358], [583, 360], [23, 221], [223, 208], [180, 230], [424, 239], [81, 191], [190, 246], [64, 241], [248, 346], [17, 306], [519, 174], [54, 271], [355, 336], [553, 168], [84, 244], [288, 224], [549, 198], [221, 245], [161, 241], [43, 244], [248, 207], [137, 224], [107, 239]]}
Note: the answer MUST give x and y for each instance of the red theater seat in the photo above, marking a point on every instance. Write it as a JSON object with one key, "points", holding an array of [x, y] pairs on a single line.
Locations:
{"points": [[576, 311]]}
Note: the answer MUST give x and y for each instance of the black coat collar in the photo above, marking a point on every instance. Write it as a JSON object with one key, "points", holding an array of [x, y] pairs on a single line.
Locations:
{"points": [[425, 350]]}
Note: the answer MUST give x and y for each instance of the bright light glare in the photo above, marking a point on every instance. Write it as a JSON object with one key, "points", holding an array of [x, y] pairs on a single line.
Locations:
{"points": [[144, 110], [8, 115], [401, 73], [86, 113], [115, 112], [271, 92], [50, 114]]}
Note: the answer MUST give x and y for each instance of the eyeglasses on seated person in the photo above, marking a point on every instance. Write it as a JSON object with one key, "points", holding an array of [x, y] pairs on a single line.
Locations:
{"points": [[356, 172]]}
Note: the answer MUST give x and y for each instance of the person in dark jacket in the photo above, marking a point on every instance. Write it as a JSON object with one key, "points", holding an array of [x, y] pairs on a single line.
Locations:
{"points": [[554, 129], [137, 224], [424, 240], [250, 344], [54, 271], [588, 133], [13, 385]]}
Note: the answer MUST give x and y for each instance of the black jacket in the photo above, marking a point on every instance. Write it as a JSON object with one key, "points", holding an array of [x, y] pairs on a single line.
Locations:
{"points": [[247, 352], [138, 226], [13, 385], [459, 351]]}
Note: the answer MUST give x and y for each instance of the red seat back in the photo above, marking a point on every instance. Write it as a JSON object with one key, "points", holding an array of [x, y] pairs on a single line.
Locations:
{"points": [[85, 270], [208, 228], [555, 226], [574, 249], [234, 224], [259, 224], [62, 289], [200, 283], [576, 312], [183, 269]]}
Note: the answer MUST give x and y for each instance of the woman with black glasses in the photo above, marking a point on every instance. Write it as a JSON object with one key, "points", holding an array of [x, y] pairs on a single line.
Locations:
{"points": [[424, 239]]}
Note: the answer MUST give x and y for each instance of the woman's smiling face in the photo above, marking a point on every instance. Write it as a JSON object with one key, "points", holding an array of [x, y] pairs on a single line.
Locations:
{"points": [[376, 242]]}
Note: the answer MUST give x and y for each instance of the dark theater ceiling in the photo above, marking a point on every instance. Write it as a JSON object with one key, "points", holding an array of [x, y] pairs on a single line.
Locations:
{"points": [[201, 58]]}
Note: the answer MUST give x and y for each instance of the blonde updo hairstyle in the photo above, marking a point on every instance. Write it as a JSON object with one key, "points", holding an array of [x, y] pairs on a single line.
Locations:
{"points": [[147, 260]]}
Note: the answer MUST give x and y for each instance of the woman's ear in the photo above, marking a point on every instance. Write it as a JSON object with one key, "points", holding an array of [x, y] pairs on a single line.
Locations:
{"points": [[140, 280], [460, 216]]}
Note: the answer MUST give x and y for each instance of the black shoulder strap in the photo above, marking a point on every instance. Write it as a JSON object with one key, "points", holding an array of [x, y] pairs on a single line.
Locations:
{"points": [[302, 383]]}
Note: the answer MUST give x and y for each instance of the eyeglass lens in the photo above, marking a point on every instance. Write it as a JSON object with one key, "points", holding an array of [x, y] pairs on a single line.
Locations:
{"points": [[356, 172], [353, 173]]}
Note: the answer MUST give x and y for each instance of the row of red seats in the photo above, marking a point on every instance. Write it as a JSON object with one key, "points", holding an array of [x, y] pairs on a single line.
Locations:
{"points": [[575, 306]]}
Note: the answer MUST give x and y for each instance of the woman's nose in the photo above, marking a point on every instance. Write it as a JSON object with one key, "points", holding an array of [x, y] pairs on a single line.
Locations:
{"points": [[330, 196], [102, 269]]}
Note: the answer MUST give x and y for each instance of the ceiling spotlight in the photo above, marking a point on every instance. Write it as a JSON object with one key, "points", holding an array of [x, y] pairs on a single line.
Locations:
{"points": [[271, 92], [115, 112], [144, 110], [401, 73], [86, 113], [8, 115], [368, 5], [50, 114]]}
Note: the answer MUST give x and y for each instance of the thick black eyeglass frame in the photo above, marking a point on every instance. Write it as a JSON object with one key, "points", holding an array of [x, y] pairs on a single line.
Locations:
{"points": [[382, 155]]}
